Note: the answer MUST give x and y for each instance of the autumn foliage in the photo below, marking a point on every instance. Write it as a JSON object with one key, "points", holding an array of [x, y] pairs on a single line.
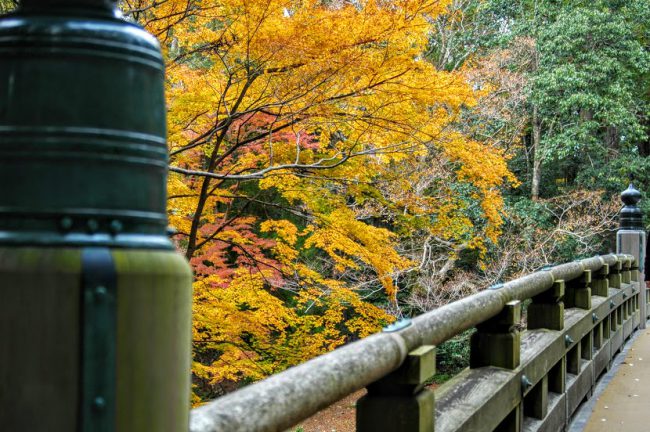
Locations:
{"points": [[305, 138]]}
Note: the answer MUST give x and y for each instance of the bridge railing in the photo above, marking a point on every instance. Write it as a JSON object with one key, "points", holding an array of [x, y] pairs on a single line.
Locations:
{"points": [[576, 318]]}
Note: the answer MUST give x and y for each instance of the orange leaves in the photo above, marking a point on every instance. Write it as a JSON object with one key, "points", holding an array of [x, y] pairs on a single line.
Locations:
{"points": [[246, 317], [307, 136], [287, 236], [255, 334], [484, 167], [355, 70], [347, 240]]}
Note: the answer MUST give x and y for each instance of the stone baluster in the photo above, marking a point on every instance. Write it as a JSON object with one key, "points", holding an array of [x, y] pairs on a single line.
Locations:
{"points": [[400, 401]]}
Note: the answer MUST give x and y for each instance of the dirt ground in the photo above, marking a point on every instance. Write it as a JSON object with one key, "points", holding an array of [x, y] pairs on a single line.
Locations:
{"points": [[336, 418], [339, 417]]}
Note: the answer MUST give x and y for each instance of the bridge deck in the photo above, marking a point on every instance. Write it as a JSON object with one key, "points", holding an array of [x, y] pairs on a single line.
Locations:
{"points": [[624, 405]]}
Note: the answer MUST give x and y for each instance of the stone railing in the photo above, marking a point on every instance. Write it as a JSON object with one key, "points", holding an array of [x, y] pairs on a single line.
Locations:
{"points": [[576, 320]]}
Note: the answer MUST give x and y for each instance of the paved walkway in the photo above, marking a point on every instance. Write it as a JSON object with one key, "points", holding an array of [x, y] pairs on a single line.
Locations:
{"points": [[624, 405]]}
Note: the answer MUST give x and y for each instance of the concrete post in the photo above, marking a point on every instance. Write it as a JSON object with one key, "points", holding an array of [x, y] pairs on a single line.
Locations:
{"points": [[400, 401], [497, 341], [631, 239], [547, 308]]}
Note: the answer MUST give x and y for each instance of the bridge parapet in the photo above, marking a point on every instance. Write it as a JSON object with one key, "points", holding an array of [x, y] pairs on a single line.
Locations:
{"points": [[578, 315]]}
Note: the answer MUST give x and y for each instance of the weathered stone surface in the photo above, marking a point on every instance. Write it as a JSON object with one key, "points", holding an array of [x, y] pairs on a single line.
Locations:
{"points": [[528, 286], [547, 309], [568, 272], [615, 274], [497, 342], [557, 377], [536, 401], [546, 315], [598, 336], [513, 421], [616, 340], [540, 350], [554, 420], [399, 400], [495, 349], [397, 413], [573, 360], [625, 270], [578, 292], [602, 359], [628, 327], [443, 323], [587, 346], [600, 282], [578, 386], [477, 399]]}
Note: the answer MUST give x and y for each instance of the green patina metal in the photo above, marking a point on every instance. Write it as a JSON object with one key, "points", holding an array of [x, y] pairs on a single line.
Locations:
{"points": [[631, 216], [82, 125], [92, 290], [98, 340]]}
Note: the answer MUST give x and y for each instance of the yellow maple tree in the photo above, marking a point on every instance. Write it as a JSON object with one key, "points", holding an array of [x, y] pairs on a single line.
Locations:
{"points": [[297, 131]]}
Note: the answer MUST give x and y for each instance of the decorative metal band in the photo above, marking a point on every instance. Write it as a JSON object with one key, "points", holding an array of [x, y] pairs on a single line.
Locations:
{"points": [[18, 138], [85, 37], [98, 336], [84, 227]]}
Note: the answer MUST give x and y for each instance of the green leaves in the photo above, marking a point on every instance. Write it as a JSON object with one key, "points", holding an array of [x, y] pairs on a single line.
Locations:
{"points": [[590, 65]]}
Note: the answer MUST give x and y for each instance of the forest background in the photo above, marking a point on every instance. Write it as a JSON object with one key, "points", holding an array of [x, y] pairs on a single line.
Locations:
{"points": [[338, 164]]}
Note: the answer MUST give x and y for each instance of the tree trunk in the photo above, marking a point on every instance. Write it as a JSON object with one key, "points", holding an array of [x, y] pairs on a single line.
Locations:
{"points": [[537, 156], [612, 138], [644, 146], [196, 219]]}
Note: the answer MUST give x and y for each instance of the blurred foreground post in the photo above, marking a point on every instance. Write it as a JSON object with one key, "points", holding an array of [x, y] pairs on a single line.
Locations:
{"points": [[94, 302]]}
